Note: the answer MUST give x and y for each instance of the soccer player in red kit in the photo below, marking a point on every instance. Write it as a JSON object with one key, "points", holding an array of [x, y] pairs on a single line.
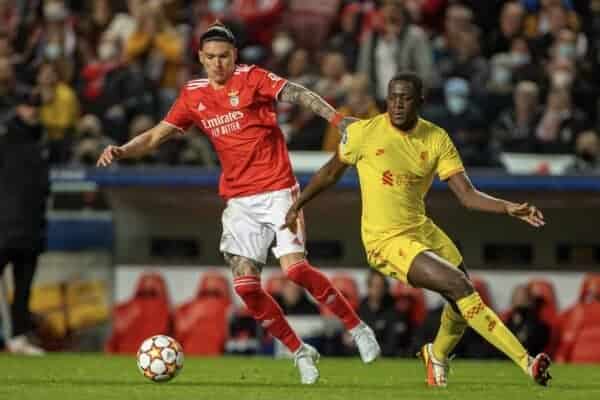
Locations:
{"points": [[235, 107]]}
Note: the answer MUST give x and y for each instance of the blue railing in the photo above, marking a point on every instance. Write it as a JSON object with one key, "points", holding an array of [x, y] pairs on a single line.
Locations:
{"points": [[185, 176]]}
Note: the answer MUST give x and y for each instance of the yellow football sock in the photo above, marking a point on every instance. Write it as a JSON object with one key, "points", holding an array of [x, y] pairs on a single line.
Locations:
{"points": [[452, 328], [487, 324]]}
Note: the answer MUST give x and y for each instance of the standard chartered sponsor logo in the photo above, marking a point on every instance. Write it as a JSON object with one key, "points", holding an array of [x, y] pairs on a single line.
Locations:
{"points": [[223, 124]]}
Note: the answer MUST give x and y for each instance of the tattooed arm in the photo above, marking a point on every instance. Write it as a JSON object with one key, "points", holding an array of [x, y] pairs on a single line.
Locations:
{"points": [[298, 94]]}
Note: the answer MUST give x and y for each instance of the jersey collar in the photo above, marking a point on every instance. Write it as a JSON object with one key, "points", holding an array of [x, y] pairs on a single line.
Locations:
{"points": [[400, 131]]}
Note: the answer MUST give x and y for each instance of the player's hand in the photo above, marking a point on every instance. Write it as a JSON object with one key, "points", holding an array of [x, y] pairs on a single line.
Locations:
{"points": [[528, 213], [110, 154], [291, 219]]}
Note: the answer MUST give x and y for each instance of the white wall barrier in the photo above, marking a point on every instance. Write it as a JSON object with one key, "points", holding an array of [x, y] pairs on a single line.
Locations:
{"points": [[182, 282]]}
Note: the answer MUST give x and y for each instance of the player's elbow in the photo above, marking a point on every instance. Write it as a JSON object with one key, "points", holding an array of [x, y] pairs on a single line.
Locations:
{"points": [[467, 199]]}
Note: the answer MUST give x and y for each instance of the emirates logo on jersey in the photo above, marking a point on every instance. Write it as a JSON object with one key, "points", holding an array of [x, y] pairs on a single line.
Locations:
{"points": [[223, 119], [224, 124]]}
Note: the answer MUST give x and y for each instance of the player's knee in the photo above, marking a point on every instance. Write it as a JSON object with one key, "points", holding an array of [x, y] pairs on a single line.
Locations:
{"points": [[242, 266], [460, 286]]}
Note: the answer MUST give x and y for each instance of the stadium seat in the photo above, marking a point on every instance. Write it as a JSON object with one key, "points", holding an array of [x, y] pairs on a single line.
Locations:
{"points": [[543, 291], [580, 338], [401, 291], [201, 324], [146, 314], [562, 332], [214, 283]]}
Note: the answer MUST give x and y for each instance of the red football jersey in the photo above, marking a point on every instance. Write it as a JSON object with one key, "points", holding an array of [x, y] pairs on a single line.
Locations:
{"points": [[241, 123]]}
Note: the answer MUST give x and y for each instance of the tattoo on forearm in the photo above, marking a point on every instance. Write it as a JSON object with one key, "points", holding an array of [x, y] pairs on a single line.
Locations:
{"points": [[298, 94], [242, 266]]}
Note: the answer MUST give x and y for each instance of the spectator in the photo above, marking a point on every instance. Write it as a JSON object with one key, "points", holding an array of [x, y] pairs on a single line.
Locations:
{"points": [[97, 74], [523, 320], [558, 20], [334, 78], [377, 309], [90, 141], [295, 119], [96, 19], [463, 120], [587, 150], [561, 71], [523, 67], [358, 103], [24, 186], [458, 19], [124, 24], [156, 41], [560, 123], [466, 61], [11, 90], [550, 16], [293, 300], [126, 92], [399, 45], [59, 111], [513, 130], [139, 124], [282, 46], [510, 26], [347, 40], [56, 40]]}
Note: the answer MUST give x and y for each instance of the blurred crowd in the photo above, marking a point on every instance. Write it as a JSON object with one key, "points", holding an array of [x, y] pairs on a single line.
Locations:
{"points": [[210, 323], [502, 76]]}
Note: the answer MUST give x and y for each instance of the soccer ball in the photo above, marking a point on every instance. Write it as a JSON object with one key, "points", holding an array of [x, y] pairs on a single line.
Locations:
{"points": [[160, 358]]}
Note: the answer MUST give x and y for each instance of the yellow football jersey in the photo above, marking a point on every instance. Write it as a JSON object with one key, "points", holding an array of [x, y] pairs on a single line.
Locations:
{"points": [[396, 170]]}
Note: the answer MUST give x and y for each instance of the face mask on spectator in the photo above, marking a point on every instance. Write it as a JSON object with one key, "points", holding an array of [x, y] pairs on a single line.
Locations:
{"points": [[501, 75], [55, 11], [217, 6], [566, 50], [106, 51], [52, 51], [562, 78], [519, 59], [282, 45], [456, 104]]}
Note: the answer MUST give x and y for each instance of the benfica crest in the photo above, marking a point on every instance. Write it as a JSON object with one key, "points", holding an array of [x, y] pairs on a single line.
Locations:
{"points": [[234, 98]]}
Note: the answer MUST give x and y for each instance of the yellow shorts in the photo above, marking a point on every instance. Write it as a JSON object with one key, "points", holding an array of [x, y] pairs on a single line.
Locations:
{"points": [[393, 257]]}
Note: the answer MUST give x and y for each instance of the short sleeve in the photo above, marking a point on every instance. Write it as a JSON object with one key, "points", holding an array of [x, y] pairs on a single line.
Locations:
{"points": [[351, 143], [268, 84], [179, 116], [449, 162]]}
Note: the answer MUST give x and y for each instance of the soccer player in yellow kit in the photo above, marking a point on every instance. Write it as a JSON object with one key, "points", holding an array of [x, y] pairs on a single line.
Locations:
{"points": [[397, 154]]}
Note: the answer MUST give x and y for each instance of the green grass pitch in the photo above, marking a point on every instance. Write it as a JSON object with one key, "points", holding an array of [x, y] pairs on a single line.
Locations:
{"points": [[92, 376]]}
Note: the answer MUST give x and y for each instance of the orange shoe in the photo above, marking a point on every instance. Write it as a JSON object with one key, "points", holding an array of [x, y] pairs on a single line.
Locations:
{"points": [[435, 370], [538, 369]]}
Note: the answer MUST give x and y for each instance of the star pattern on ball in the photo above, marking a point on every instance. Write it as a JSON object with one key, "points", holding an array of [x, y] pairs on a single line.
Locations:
{"points": [[154, 353]]}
